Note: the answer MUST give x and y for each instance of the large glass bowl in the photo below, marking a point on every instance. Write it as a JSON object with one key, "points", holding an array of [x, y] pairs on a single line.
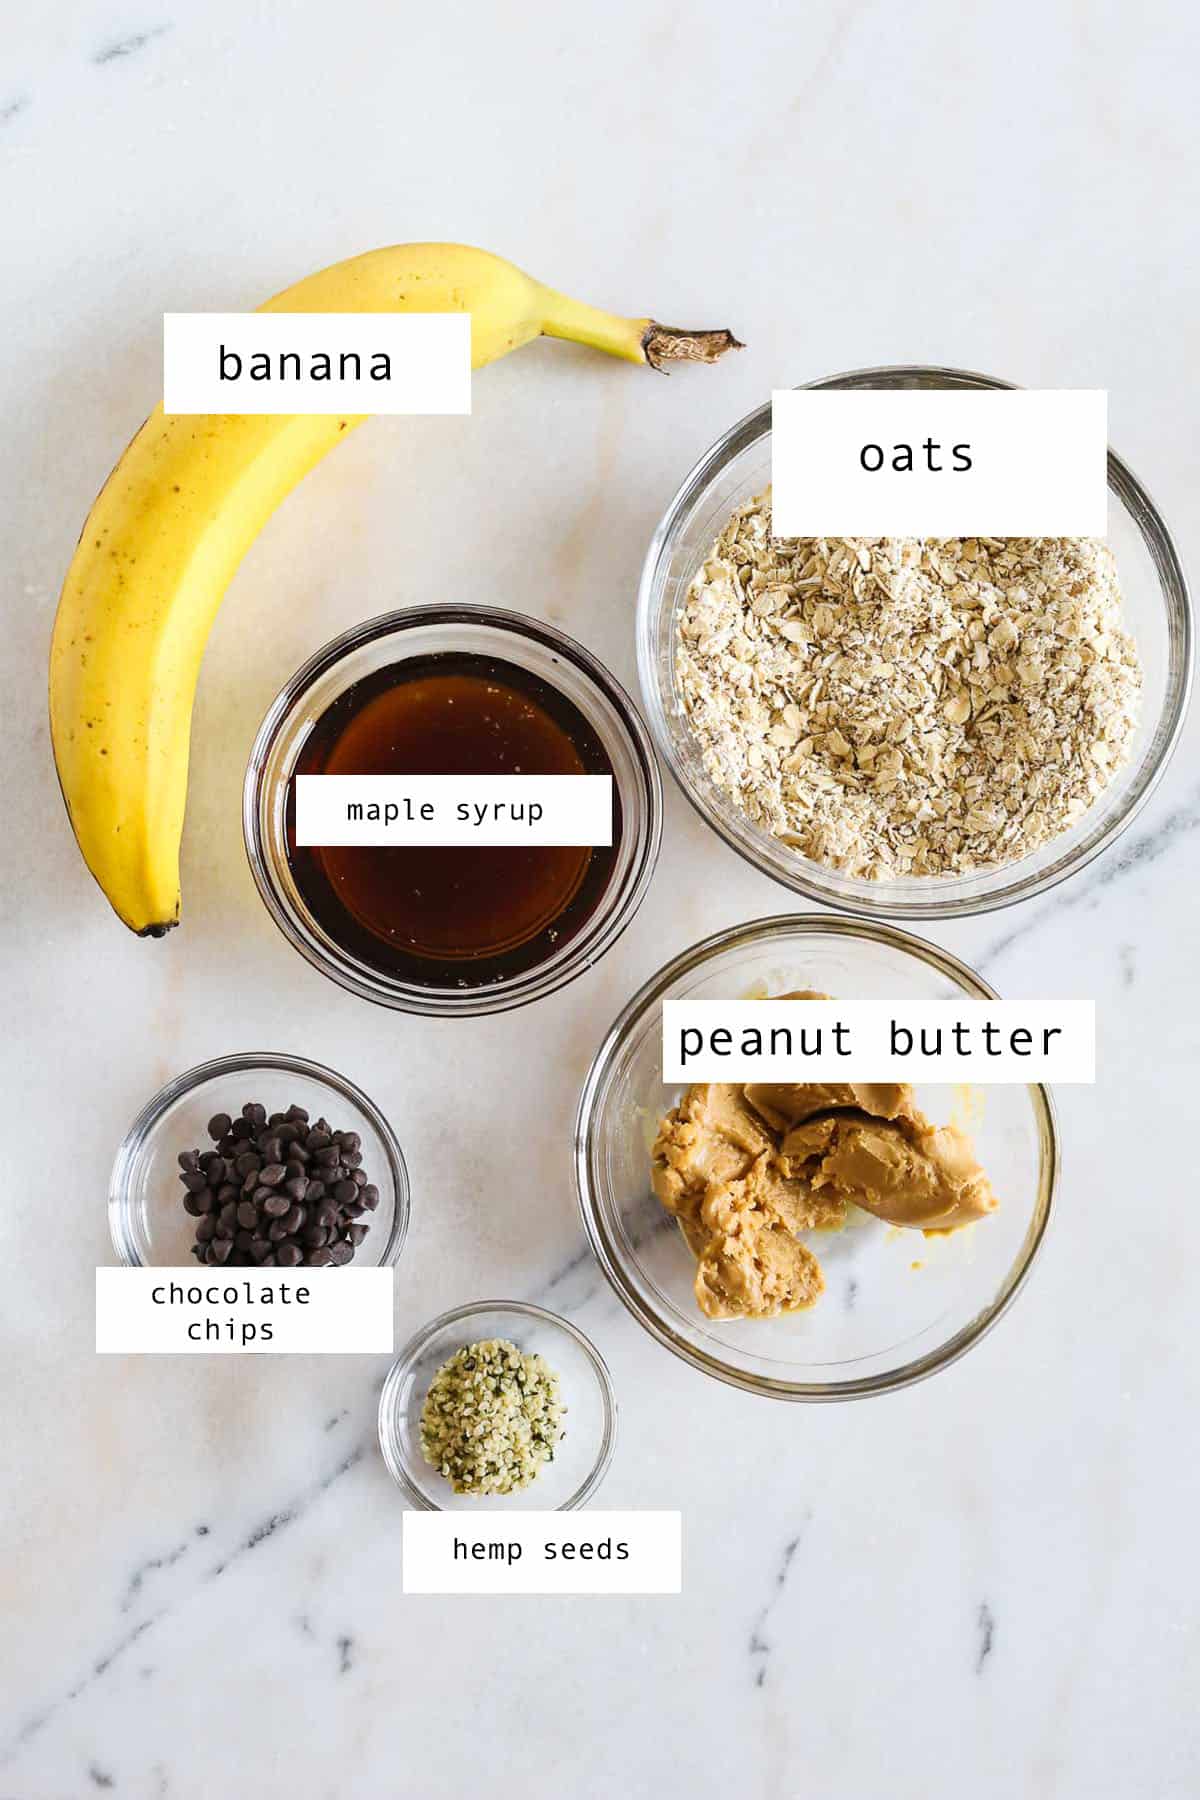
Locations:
{"points": [[897, 1305], [1157, 611]]}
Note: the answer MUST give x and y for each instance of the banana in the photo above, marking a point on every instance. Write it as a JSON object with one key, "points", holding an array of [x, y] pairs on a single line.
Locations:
{"points": [[178, 513]]}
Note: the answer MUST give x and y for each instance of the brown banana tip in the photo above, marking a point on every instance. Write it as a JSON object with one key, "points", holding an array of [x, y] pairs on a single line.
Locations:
{"points": [[663, 344], [157, 931]]}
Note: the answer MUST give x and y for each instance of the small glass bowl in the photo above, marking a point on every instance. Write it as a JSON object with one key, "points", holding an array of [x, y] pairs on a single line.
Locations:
{"points": [[897, 1305], [424, 631], [145, 1197], [590, 1427], [1157, 610]]}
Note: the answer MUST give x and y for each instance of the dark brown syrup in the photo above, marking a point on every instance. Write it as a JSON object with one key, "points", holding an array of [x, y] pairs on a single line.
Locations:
{"points": [[452, 916]]}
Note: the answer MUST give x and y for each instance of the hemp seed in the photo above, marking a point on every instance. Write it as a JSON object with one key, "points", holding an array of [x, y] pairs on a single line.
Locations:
{"points": [[492, 1418]]}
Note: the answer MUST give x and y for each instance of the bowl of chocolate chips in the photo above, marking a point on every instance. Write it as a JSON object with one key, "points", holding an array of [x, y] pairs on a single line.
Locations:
{"points": [[259, 1160]]}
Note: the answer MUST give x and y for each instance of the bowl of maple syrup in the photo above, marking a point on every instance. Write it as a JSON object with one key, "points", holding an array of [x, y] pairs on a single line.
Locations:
{"points": [[452, 929]]}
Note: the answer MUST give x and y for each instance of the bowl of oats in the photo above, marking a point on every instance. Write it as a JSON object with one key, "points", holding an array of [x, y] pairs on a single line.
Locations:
{"points": [[498, 1405], [810, 1241], [909, 727]]}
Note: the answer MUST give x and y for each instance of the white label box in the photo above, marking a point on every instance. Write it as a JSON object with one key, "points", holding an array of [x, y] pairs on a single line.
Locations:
{"points": [[976, 1041], [267, 362], [476, 810], [543, 1553], [202, 1311], [939, 462]]}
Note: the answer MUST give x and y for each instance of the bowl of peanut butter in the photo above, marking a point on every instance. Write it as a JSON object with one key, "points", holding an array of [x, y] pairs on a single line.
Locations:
{"points": [[810, 1240]]}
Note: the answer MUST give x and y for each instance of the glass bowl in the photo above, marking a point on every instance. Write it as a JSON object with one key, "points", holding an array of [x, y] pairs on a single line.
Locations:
{"points": [[585, 1449], [145, 1198], [1157, 611], [423, 631], [882, 1322]]}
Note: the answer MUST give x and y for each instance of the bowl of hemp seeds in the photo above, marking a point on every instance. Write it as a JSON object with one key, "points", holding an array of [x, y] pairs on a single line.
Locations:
{"points": [[498, 1405], [909, 727]]}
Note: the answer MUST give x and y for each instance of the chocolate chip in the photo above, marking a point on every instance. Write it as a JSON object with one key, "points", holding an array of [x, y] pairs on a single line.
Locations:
{"points": [[276, 1191]]}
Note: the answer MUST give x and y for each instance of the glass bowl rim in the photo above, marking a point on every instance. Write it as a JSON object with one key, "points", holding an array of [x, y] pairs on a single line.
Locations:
{"points": [[241, 1062], [812, 885], [780, 925], [389, 1435], [517, 991]]}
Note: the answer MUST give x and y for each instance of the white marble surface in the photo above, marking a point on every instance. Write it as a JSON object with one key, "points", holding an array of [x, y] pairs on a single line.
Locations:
{"points": [[983, 1585]]}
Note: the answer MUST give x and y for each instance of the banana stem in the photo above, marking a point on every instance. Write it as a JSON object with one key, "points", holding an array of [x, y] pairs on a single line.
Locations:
{"points": [[663, 344], [636, 340]]}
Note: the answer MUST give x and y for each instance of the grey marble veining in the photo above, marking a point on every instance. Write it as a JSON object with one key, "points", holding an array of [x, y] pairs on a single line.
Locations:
{"points": [[980, 1585]]}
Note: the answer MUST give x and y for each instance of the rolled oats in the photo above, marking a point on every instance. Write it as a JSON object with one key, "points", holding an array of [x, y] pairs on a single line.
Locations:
{"points": [[899, 707]]}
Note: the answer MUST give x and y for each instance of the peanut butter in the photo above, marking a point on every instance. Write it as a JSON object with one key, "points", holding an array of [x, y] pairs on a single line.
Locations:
{"points": [[744, 1169]]}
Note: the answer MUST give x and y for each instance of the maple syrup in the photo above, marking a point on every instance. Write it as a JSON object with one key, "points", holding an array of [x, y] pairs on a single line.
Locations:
{"points": [[452, 915]]}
